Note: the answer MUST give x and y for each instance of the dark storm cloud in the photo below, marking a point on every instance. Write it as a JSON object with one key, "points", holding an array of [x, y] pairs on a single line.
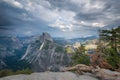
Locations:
{"points": [[74, 17], [88, 16], [107, 8], [4, 19], [12, 18], [63, 4], [11, 15]]}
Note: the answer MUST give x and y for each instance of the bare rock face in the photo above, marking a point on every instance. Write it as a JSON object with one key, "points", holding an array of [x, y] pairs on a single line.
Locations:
{"points": [[50, 76], [43, 54], [46, 36], [105, 74], [2, 64]]}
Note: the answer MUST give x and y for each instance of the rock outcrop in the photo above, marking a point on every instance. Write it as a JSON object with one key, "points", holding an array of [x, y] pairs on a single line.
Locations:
{"points": [[103, 74], [106, 74], [79, 68], [50, 76]]}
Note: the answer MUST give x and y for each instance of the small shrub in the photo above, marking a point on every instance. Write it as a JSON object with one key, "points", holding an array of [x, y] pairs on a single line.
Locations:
{"points": [[80, 59], [112, 57], [24, 71], [7, 72]]}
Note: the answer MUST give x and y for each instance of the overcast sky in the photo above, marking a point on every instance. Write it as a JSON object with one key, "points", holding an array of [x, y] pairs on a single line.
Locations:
{"points": [[60, 18]]}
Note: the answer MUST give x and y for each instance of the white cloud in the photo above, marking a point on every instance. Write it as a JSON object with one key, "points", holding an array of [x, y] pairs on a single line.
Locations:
{"points": [[98, 24], [41, 12], [47, 14], [62, 25], [94, 6], [89, 5], [14, 3], [92, 24], [65, 21]]}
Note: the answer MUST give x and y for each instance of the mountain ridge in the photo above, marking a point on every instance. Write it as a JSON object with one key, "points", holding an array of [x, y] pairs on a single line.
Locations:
{"points": [[43, 54]]}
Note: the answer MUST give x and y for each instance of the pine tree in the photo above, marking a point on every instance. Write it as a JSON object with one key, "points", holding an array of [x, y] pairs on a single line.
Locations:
{"points": [[111, 39]]}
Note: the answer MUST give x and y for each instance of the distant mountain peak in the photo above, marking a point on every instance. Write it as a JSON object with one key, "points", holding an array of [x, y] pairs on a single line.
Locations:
{"points": [[46, 36], [44, 54]]}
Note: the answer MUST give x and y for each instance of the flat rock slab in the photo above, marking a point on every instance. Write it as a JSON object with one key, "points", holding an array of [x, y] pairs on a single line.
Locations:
{"points": [[50, 76]]}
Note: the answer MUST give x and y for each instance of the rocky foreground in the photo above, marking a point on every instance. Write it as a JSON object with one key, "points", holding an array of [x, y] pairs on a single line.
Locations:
{"points": [[50, 76], [81, 72], [65, 76], [102, 74]]}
